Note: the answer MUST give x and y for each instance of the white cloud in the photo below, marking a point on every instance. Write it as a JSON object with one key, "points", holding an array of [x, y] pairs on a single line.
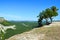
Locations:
{"points": [[10, 16], [17, 17]]}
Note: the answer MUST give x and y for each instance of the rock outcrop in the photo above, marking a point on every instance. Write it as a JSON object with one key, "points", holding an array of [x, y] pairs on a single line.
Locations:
{"points": [[2, 19]]}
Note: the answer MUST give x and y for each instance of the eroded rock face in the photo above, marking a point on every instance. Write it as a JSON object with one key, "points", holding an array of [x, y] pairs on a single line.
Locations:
{"points": [[54, 24], [2, 19], [28, 36]]}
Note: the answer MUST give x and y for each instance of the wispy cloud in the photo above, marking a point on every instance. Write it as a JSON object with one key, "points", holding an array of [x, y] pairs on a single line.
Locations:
{"points": [[10, 16], [16, 17]]}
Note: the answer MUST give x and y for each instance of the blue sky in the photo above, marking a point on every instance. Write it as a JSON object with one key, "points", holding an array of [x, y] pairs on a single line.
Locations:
{"points": [[27, 10]]}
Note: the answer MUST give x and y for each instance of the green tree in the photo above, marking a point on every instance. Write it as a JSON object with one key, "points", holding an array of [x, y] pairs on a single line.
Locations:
{"points": [[50, 12], [40, 18], [54, 12], [47, 14]]}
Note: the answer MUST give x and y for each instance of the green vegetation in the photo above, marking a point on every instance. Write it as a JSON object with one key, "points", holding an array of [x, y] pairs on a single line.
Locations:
{"points": [[20, 28], [46, 14]]}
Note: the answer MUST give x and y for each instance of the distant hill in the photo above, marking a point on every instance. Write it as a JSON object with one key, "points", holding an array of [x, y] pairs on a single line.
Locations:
{"points": [[56, 20]]}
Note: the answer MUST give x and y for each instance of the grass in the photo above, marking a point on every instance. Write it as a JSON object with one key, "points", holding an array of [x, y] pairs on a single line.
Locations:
{"points": [[20, 28]]}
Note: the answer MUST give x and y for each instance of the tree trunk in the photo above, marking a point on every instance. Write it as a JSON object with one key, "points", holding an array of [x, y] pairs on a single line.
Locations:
{"points": [[51, 19], [40, 22], [46, 21]]}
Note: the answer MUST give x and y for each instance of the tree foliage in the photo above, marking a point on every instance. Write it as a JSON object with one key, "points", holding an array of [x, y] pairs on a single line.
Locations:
{"points": [[47, 14]]}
